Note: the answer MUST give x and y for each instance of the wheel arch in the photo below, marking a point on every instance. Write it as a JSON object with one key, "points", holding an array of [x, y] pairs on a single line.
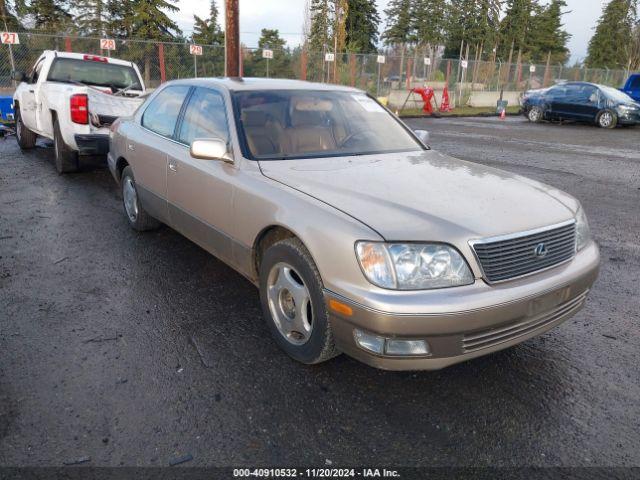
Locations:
{"points": [[121, 164], [267, 237]]}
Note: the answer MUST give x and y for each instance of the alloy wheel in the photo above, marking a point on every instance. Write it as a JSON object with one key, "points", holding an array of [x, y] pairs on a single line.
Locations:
{"points": [[606, 119], [534, 114], [290, 304], [130, 197]]}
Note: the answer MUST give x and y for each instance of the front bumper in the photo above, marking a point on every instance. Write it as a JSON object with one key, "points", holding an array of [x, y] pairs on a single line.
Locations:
{"points": [[536, 304], [629, 118], [92, 144]]}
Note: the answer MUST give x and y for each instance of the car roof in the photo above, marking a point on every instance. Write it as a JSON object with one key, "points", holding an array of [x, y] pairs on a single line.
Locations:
{"points": [[249, 84], [589, 84]]}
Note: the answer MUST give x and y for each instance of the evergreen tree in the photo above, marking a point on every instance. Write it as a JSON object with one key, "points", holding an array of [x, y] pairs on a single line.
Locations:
{"points": [[362, 26], [207, 31], [635, 48], [610, 45], [428, 21], [515, 26], [320, 33], [151, 22], [91, 17], [475, 22], [279, 66], [8, 18], [49, 15], [398, 29], [547, 34], [488, 23], [119, 18]]}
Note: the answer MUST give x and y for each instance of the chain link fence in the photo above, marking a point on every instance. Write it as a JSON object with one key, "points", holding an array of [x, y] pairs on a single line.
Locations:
{"points": [[384, 75]]}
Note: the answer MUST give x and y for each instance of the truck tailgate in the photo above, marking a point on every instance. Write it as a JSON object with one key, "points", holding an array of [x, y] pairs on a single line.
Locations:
{"points": [[108, 107]]}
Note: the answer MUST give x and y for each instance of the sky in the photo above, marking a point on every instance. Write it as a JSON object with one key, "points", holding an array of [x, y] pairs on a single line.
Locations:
{"points": [[287, 16]]}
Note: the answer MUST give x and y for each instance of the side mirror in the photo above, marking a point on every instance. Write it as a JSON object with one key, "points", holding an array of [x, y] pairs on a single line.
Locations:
{"points": [[18, 76], [210, 149], [423, 136]]}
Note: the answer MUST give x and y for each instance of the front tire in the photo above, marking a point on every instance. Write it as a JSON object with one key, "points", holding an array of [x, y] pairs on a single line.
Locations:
{"points": [[293, 303], [607, 119], [66, 159], [137, 216], [535, 115], [25, 137]]}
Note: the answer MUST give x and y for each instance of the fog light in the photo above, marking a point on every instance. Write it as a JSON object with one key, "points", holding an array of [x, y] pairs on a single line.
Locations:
{"points": [[407, 347], [390, 346], [369, 342]]}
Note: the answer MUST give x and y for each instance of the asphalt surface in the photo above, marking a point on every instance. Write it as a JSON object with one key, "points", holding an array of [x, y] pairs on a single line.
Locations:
{"points": [[122, 348]]}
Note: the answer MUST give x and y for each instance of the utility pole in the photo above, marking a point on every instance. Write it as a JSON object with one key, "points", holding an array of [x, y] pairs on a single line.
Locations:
{"points": [[232, 38]]}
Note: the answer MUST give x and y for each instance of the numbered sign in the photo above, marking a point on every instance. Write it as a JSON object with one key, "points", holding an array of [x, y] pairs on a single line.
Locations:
{"points": [[329, 57], [532, 69], [381, 59], [195, 49], [267, 54], [10, 38], [427, 61], [464, 64], [107, 44]]}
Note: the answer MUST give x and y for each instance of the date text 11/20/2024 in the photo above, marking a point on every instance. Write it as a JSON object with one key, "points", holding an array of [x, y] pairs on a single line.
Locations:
{"points": [[315, 473]]}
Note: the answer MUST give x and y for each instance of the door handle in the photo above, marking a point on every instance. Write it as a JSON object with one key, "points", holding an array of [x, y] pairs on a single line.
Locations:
{"points": [[172, 166], [131, 147]]}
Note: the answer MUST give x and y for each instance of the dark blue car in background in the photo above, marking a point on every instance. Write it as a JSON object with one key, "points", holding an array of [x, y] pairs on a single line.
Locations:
{"points": [[632, 87], [581, 102]]}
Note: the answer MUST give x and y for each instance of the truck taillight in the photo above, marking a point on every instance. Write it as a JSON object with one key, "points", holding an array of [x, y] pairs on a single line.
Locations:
{"points": [[80, 109]]}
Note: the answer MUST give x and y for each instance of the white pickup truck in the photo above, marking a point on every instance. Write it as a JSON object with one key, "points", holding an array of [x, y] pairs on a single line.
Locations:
{"points": [[72, 99]]}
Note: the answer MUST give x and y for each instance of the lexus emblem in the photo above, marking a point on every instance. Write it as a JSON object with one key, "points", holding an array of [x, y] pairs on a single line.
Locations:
{"points": [[541, 250]]}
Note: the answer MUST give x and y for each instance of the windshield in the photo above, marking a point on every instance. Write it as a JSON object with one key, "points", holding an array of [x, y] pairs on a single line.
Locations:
{"points": [[616, 95], [91, 72], [296, 124]]}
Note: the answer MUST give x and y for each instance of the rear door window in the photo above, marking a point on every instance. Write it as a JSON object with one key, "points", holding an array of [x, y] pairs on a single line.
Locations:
{"points": [[204, 117], [94, 72], [574, 94], [162, 113], [635, 83]]}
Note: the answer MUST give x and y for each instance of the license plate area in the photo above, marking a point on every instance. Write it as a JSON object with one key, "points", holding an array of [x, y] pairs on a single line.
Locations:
{"points": [[548, 301]]}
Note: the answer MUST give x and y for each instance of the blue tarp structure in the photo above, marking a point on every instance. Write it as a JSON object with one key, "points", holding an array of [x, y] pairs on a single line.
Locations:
{"points": [[6, 109]]}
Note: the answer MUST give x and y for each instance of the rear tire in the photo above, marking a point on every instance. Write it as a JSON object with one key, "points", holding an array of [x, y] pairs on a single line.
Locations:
{"points": [[65, 158], [137, 216], [607, 119], [297, 303], [535, 115], [25, 137]]}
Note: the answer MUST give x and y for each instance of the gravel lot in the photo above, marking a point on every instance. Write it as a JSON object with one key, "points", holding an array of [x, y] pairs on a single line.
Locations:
{"points": [[136, 349]]}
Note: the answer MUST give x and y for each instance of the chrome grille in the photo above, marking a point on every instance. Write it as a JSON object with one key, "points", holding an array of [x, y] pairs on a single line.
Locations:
{"points": [[489, 338], [510, 257]]}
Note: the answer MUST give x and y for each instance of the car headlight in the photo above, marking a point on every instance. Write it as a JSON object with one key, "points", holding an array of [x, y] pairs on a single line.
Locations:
{"points": [[623, 109], [413, 266], [583, 233]]}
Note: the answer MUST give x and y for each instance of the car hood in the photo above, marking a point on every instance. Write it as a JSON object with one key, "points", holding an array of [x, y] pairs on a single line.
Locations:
{"points": [[425, 196]]}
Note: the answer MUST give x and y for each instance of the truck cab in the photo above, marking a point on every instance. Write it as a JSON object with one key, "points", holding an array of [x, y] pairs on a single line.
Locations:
{"points": [[632, 87], [72, 99]]}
